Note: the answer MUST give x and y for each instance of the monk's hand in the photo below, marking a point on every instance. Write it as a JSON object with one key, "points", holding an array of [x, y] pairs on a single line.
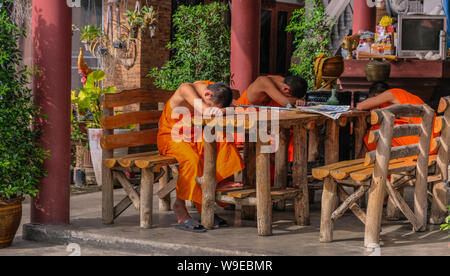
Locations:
{"points": [[214, 111], [300, 102]]}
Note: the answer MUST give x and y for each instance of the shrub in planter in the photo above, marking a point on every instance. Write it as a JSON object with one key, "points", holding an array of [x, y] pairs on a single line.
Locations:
{"points": [[21, 156], [201, 48]]}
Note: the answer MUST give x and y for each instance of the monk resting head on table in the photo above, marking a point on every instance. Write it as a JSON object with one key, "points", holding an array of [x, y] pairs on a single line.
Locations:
{"points": [[381, 96], [275, 91], [189, 153]]}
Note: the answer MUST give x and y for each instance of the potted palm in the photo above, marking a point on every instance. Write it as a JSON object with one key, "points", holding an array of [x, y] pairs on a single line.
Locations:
{"points": [[21, 156], [87, 104]]}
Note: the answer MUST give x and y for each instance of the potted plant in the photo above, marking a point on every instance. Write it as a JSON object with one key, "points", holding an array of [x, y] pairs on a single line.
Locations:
{"points": [[21, 156], [91, 38], [87, 103], [141, 20], [135, 22]]}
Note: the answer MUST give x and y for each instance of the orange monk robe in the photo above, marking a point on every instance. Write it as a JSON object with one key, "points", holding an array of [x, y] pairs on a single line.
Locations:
{"points": [[190, 157], [404, 98]]}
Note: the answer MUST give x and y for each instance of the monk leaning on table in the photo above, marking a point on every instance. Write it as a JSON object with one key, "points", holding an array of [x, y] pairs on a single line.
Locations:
{"points": [[380, 96], [276, 91], [189, 154]]}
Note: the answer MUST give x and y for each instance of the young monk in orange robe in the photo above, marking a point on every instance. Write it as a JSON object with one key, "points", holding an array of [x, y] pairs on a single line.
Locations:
{"points": [[276, 91], [189, 154], [381, 96]]}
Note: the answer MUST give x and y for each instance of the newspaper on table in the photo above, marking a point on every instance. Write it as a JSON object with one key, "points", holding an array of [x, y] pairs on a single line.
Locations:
{"points": [[331, 111]]}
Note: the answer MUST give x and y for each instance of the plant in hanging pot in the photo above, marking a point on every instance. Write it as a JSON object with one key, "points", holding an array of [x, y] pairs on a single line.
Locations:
{"points": [[87, 103], [21, 156], [135, 22], [91, 37]]}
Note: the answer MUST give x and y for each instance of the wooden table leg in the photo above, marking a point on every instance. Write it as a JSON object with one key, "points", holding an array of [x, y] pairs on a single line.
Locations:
{"points": [[300, 175], [263, 196], [360, 128], [209, 185], [146, 198], [332, 142], [281, 165], [314, 142], [249, 175]]}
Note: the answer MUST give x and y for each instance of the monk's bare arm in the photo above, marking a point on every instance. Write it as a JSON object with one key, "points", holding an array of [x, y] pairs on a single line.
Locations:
{"points": [[190, 94], [268, 86], [374, 102]]}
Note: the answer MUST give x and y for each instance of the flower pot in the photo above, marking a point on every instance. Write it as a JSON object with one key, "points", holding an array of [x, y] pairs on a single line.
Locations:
{"points": [[10, 217], [95, 135]]}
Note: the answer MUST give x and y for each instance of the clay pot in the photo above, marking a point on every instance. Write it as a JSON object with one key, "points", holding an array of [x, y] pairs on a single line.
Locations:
{"points": [[333, 67], [378, 71], [10, 217]]}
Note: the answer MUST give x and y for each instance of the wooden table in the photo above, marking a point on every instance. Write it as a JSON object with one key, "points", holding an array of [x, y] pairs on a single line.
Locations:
{"points": [[257, 171]]}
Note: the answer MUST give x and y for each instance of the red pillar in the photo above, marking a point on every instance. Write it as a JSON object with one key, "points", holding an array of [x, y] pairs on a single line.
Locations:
{"points": [[245, 42], [363, 17], [52, 43]]}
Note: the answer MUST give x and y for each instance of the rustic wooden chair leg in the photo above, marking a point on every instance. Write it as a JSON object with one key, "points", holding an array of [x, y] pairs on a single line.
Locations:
{"points": [[329, 202], [392, 212], [164, 203], [374, 213], [107, 197], [146, 198], [439, 203], [238, 215]]}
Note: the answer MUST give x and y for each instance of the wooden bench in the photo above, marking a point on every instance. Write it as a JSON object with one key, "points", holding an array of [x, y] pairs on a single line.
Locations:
{"points": [[152, 165], [409, 164], [148, 163]]}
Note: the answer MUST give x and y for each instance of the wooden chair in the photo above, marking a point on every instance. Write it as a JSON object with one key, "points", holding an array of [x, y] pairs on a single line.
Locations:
{"points": [[371, 174], [148, 163]]}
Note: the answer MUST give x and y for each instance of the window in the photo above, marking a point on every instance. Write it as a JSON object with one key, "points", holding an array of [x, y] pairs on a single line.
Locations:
{"points": [[276, 43]]}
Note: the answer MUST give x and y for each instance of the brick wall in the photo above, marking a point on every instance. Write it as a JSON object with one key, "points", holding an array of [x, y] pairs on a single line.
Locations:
{"points": [[150, 52]]}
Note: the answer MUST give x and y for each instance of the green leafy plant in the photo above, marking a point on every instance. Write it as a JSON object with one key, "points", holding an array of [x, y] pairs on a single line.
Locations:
{"points": [[90, 34], [141, 19], [312, 30], [446, 225], [87, 99], [21, 156], [201, 48]]}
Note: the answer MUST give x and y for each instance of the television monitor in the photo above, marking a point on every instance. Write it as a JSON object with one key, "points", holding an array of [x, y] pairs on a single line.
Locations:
{"points": [[420, 34]]}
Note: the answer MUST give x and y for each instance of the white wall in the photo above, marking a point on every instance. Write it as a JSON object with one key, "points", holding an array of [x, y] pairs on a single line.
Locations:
{"points": [[429, 5]]}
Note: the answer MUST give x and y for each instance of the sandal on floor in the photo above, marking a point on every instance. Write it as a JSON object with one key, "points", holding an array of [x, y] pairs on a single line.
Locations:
{"points": [[191, 225]]}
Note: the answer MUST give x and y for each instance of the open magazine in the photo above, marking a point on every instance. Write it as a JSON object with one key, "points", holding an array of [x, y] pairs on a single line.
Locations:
{"points": [[331, 111]]}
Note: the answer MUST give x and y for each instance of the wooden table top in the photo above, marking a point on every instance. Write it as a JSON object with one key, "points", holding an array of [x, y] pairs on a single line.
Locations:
{"points": [[285, 118]]}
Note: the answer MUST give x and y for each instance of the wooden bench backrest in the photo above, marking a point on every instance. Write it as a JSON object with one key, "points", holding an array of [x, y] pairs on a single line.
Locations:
{"points": [[156, 98], [443, 124], [386, 117]]}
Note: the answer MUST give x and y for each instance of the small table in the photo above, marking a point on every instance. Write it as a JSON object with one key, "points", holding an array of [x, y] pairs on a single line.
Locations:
{"points": [[257, 171]]}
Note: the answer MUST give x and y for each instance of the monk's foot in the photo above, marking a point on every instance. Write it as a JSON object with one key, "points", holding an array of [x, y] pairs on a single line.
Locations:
{"points": [[179, 208], [227, 185]]}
